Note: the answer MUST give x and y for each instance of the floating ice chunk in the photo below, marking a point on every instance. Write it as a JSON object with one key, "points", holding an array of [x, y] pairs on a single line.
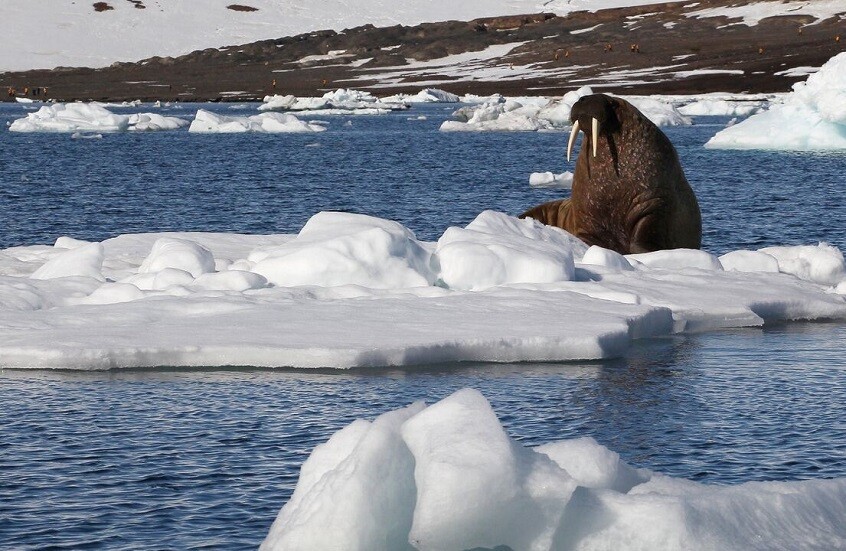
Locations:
{"points": [[449, 477], [77, 118], [678, 259], [66, 242], [707, 107], [147, 122], [208, 122], [84, 261], [661, 113], [749, 261], [169, 252], [550, 180], [475, 487], [821, 264], [71, 117], [427, 95], [341, 101], [371, 467], [336, 248], [495, 249], [811, 117], [160, 280]]}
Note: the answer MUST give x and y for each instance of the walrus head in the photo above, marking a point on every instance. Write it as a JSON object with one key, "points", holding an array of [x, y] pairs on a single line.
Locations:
{"points": [[597, 112]]}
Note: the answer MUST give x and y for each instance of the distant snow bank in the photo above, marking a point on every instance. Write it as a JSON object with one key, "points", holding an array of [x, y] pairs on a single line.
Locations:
{"points": [[812, 117], [352, 290], [448, 476]]}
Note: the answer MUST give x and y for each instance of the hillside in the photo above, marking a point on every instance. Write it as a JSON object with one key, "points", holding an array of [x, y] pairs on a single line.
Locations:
{"points": [[668, 48]]}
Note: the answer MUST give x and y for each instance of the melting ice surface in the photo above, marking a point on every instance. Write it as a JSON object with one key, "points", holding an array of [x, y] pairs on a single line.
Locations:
{"points": [[448, 476]]}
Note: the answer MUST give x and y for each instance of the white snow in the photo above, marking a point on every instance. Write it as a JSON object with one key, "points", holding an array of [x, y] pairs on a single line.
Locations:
{"points": [[448, 476], [91, 117], [751, 14], [352, 290], [39, 34], [706, 107], [427, 95], [213, 123], [812, 117]]}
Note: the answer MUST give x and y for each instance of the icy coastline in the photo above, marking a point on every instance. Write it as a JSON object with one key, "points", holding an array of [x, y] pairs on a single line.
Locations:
{"points": [[352, 290]]}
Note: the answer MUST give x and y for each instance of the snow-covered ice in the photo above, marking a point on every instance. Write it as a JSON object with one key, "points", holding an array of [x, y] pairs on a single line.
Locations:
{"points": [[352, 290], [551, 180], [532, 114], [91, 117], [448, 476], [338, 102], [213, 123], [812, 117], [427, 95]]}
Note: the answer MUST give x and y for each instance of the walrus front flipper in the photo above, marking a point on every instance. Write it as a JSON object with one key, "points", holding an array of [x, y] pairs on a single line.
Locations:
{"points": [[554, 213]]}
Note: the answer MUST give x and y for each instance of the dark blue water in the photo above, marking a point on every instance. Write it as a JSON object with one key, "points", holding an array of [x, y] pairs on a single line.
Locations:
{"points": [[191, 459]]}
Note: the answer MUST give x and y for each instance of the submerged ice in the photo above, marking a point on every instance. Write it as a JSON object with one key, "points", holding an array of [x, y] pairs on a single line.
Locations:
{"points": [[448, 476], [352, 290]]}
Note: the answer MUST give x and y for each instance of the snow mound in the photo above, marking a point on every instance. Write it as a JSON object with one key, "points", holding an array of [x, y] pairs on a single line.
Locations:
{"points": [[91, 117], [339, 102], [351, 291], [661, 113], [812, 117], [448, 476], [336, 248], [495, 249], [212, 123]]}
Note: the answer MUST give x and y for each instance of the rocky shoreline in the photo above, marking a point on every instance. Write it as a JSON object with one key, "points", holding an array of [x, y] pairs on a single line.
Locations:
{"points": [[664, 48]]}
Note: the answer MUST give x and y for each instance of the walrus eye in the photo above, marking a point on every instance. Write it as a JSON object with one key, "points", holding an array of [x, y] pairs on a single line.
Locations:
{"points": [[595, 133], [573, 133]]}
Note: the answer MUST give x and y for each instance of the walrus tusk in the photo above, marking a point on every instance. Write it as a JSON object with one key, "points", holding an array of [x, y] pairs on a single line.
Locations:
{"points": [[573, 133], [594, 134]]}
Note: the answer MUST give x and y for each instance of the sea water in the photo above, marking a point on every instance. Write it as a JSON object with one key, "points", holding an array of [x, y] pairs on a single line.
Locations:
{"points": [[187, 459]]}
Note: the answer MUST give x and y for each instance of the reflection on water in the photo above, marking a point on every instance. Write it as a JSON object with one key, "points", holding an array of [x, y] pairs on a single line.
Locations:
{"points": [[207, 457]]}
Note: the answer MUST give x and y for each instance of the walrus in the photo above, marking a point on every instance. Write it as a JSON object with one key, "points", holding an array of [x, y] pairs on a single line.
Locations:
{"points": [[629, 192]]}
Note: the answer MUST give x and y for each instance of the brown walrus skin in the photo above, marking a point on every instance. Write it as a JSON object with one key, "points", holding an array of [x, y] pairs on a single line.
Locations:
{"points": [[632, 196]]}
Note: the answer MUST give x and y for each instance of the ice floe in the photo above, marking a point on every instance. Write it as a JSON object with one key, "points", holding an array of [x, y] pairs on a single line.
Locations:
{"points": [[427, 95], [339, 102], [215, 123], [551, 180], [812, 117], [91, 117], [448, 476], [532, 114], [352, 290]]}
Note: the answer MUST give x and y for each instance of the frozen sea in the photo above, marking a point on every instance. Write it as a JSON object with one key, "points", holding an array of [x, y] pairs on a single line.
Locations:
{"points": [[188, 459]]}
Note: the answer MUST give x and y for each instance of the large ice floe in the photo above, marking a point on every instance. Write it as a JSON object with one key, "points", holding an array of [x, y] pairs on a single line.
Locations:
{"points": [[352, 290], [214, 123], [91, 117], [339, 102], [812, 117], [532, 114], [448, 476]]}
